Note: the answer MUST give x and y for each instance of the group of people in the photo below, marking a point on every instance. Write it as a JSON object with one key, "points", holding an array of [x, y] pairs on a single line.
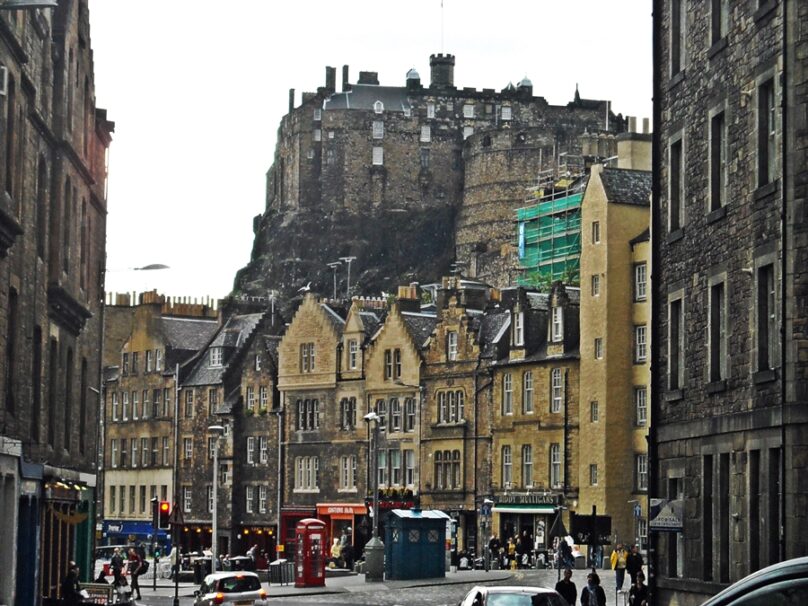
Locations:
{"points": [[132, 561], [623, 561], [593, 594], [517, 551]]}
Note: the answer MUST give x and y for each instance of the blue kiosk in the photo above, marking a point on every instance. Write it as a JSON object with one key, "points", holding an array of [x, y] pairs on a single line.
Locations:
{"points": [[415, 544]]}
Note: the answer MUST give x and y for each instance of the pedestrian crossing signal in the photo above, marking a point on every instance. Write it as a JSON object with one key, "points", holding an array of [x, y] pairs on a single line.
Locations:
{"points": [[164, 512]]}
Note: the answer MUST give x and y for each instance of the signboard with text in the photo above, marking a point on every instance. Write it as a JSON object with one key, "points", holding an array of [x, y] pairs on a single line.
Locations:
{"points": [[665, 515]]}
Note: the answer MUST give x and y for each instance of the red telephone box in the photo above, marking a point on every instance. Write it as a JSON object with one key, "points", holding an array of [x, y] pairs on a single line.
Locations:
{"points": [[310, 555]]}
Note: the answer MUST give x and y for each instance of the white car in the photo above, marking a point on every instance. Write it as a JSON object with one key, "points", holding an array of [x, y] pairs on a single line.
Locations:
{"points": [[515, 595], [239, 588]]}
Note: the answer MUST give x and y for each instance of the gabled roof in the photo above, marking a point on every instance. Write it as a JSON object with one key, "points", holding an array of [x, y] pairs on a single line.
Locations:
{"points": [[363, 96], [627, 186], [233, 336], [371, 321], [645, 236], [492, 325], [420, 326], [336, 316]]}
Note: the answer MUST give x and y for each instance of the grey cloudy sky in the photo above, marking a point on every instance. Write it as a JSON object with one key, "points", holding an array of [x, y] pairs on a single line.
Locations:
{"points": [[197, 89]]}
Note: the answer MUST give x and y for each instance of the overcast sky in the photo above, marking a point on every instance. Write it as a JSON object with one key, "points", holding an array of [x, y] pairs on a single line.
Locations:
{"points": [[197, 88]]}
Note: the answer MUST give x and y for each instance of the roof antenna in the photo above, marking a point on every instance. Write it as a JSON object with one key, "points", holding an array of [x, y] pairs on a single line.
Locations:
{"points": [[441, 26]]}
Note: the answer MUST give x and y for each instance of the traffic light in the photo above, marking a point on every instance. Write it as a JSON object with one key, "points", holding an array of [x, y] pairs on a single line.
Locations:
{"points": [[164, 514]]}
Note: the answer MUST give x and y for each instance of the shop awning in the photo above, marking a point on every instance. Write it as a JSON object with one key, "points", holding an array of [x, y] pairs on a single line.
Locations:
{"points": [[341, 509], [515, 508]]}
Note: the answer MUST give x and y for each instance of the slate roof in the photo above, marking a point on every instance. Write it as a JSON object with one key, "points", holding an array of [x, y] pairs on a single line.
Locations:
{"points": [[233, 335], [363, 96], [336, 316], [420, 326], [627, 186], [645, 236], [191, 334], [371, 321], [491, 326]]}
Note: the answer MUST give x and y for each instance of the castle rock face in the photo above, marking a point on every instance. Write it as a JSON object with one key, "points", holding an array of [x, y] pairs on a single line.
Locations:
{"points": [[406, 179]]}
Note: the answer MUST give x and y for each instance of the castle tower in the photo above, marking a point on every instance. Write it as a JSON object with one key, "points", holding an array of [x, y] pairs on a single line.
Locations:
{"points": [[442, 71]]}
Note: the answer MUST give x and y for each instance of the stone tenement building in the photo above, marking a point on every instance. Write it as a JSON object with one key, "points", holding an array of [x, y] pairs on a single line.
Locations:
{"points": [[52, 231], [140, 392], [407, 178], [730, 382]]}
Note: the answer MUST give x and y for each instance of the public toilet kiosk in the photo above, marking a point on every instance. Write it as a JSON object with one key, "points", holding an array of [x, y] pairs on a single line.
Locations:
{"points": [[311, 553], [415, 544]]}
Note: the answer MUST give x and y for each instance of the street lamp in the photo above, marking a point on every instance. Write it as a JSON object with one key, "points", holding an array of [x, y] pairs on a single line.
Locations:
{"points": [[217, 431], [348, 260], [374, 549], [334, 265], [485, 512]]}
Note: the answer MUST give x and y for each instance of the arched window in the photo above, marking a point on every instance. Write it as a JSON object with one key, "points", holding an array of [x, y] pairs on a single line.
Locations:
{"points": [[378, 107]]}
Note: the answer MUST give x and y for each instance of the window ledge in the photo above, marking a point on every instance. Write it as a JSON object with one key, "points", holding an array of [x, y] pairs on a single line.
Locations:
{"points": [[676, 235], [673, 395], [717, 47], [676, 79], [716, 386], [717, 214], [764, 376], [764, 191], [764, 12], [640, 362]]}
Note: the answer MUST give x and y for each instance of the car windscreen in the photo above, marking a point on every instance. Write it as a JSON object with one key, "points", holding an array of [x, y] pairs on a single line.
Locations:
{"points": [[522, 599], [237, 584]]}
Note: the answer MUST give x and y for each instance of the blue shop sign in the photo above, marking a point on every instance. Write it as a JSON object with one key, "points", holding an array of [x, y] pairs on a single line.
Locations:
{"points": [[127, 528]]}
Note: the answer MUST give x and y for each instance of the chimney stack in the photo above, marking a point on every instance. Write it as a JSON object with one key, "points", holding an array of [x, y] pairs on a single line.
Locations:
{"points": [[346, 86], [330, 79], [291, 100]]}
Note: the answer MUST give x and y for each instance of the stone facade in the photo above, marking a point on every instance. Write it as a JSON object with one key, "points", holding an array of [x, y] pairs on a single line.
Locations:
{"points": [[535, 414], [395, 176], [729, 291], [52, 233], [139, 407], [615, 308]]}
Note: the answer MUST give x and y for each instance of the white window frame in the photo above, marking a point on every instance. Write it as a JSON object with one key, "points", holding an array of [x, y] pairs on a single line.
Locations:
{"points": [[595, 285], [409, 468], [187, 448], [519, 328], [149, 360], [209, 495], [115, 406], [451, 345], [595, 232], [250, 450], [430, 110], [377, 157], [642, 472], [527, 465], [506, 113], [113, 455], [378, 107], [317, 135], [263, 450], [641, 281], [378, 129], [468, 110], [507, 394], [262, 499], [186, 499], [426, 133], [250, 398], [555, 465], [594, 411], [467, 132], [257, 362], [598, 347], [557, 325], [507, 466], [527, 392], [593, 474], [556, 389], [317, 115], [263, 397], [641, 405], [640, 343], [249, 494], [353, 354], [215, 357]]}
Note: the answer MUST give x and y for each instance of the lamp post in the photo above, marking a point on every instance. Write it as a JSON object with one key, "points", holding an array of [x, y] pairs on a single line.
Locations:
{"points": [[374, 549], [485, 512], [217, 431], [348, 260], [334, 265]]}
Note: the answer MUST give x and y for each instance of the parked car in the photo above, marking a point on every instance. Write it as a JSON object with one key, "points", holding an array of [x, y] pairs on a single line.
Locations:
{"points": [[784, 583], [512, 596], [240, 588]]}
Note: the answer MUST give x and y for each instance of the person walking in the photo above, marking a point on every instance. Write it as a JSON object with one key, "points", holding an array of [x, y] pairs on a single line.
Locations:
{"points": [[174, 558], [618, 560], [116, 564], [71, 589], [494, 546], [135, 565], [634, 563], [567, 588], [593, 594]]}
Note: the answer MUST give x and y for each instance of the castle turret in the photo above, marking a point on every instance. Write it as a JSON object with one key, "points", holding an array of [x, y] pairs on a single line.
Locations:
{"points": [[413, 80], [442, 71]]}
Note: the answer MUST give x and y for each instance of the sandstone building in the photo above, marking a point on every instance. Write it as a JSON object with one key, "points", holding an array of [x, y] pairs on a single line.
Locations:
{"points": [[729, 250], [615, 347], [52, 230], [140, 392], [406, 179]]}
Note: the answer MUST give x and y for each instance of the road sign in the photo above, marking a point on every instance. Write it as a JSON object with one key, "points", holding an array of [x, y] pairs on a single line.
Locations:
{"points": [[637, 511], [666, 515], [485, 510], [591, 530], [176, 518]]}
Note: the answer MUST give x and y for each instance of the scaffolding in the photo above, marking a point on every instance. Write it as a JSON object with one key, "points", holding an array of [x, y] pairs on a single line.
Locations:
{"points": [[549, 227]]}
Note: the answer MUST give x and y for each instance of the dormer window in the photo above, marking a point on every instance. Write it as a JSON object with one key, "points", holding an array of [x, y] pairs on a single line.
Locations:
{"points": [[257, 361], [378, 107], [519, 328], [353, 354], [557, 327], [216, 356]]}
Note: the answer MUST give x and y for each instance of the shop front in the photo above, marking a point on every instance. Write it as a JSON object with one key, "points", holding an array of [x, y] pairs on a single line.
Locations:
{"points": [[125, 532], [262, 536], [341, 518], [526, 515]]}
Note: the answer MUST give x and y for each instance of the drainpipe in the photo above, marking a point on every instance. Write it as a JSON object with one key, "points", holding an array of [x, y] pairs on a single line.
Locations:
{"points": [[279, 413], [783, 281]]}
